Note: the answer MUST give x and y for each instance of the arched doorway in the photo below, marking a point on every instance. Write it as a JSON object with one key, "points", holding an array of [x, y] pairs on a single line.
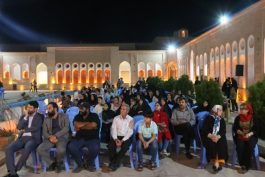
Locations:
{"points": [[99, 76], [67, 76], [83, 76], [16, 72], [125, 72], [107, 75], [141, 70], [91, 76], [25, 71], [42, 74], [59, 76], [75, 76], [172, 70]]}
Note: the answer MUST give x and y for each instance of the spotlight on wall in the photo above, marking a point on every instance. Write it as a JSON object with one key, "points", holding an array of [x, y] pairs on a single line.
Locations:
{"points": [[224, 19], [171, 48]]}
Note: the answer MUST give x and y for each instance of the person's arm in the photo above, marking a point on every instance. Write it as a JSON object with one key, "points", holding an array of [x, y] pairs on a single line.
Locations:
{"points": [[129, 131], [255, 128], [192, 118], [152, 139], [114, 129], [45, 130], [22, 123], [174, 119], [65, 129], [37, 126]]}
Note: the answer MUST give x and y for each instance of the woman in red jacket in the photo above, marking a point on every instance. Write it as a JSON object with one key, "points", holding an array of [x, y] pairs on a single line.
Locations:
{"points": [[162, 121]]}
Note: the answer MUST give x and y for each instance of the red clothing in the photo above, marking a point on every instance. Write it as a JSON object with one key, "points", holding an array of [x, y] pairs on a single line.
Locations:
{"points": [[161, 117]]}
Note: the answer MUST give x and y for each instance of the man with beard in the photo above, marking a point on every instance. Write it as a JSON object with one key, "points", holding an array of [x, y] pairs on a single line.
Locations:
{"points": [[29, 138], [87, 126], [183, 119], [55, 134]]}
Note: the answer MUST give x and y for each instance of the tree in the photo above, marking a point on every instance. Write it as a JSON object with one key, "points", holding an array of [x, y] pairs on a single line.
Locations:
{"points": [[184, 85], [257, 100], [210, 91]]}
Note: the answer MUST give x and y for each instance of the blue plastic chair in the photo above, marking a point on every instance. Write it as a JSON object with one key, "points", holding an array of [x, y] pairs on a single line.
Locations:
{"points": [[133, 146], [177, 143], [42, 107], [66, 165], [200, 119], [152, 106], [35, 159], [137, 119], [170, 106], [255, 156], [71, 113]]}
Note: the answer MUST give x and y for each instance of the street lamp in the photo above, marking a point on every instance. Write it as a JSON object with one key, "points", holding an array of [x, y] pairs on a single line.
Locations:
{"points": [[171, 48], [224, 19]]}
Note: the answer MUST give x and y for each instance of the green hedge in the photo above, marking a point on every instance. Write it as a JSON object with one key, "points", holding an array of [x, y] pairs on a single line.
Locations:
{"points": [[257, 100], [183, 84], [210, 91]]}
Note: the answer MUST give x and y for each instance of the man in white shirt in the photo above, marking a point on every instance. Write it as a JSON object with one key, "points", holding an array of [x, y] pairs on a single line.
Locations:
{"points": [[121, 136]]}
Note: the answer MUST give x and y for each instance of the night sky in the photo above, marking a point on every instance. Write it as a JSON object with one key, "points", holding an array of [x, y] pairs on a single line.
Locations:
{"points": [[65, 21]]}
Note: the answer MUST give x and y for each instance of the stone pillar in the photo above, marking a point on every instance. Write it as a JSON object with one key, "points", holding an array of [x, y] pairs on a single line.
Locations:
{"points": [[134, 75]]}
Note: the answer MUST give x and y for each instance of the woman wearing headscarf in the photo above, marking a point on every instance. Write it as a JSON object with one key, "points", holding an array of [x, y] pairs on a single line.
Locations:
{"points": [[107, 118], [143, 107], [162, 121], [245, 132], [214, 138]]}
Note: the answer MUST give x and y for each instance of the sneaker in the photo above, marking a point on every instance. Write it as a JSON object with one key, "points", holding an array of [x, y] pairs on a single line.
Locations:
{"points": [[77, 169], [140, 167], [153, 166], [188, 155], [219, 168]]}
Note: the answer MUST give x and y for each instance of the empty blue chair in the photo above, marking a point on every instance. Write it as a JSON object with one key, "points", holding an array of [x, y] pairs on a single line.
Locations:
{"points": [[255, 156], [152, 106]]}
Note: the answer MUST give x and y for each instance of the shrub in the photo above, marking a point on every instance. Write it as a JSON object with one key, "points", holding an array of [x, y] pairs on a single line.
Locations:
{"points": [[210, 91], [155, 83], [257, 100], [184, 85], [170, 84]]}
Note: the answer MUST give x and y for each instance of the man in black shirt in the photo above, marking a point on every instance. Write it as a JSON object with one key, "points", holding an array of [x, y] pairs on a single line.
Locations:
{"points": [[55, 134], [87, 126]]}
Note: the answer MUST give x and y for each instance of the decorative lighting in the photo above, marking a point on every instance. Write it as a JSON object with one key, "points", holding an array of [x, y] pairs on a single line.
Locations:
{"points": [[224, 19], [171, 48]]}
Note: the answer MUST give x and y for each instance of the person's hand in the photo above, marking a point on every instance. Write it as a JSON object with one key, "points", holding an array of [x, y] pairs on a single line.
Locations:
{"points": [[118, 142], [239, 132], [145, 145], [53, 139]]}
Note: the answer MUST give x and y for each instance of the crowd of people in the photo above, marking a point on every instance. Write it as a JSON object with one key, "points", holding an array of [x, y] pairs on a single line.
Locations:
{"points": [[110, 115]]}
